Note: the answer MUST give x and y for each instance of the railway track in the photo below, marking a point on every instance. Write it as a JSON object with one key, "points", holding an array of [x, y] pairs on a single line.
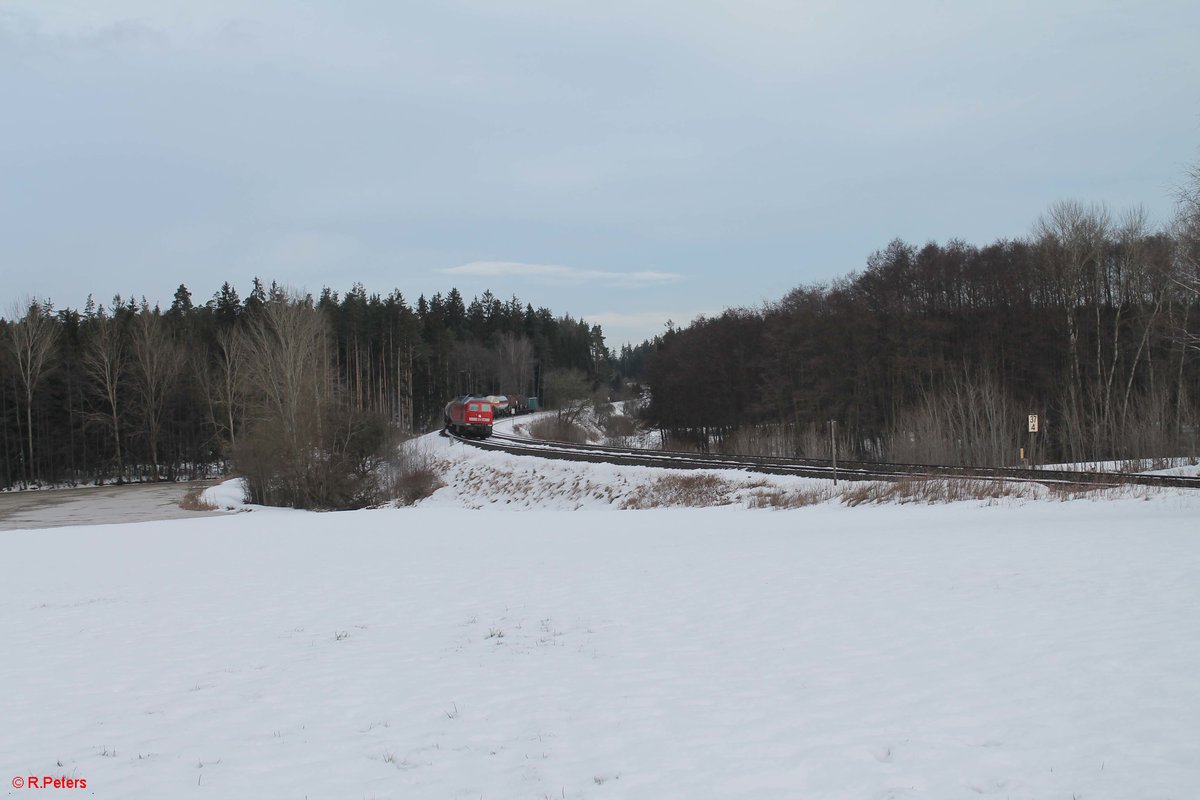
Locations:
{"points": [[810, 467]]}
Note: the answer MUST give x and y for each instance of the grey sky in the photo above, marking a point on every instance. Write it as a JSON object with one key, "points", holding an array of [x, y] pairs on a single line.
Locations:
{"points": [[627, 162]]}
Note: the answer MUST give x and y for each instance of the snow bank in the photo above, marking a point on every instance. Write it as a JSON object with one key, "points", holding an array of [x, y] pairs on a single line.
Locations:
{"points": [[228, 495]]}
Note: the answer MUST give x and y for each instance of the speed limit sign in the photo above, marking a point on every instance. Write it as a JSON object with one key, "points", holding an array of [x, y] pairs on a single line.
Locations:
{"points": [[1033, 423]]}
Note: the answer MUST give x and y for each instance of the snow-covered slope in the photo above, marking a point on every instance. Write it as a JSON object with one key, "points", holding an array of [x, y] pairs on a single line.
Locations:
{"points": [[493, 480], [487, 479], [1039, 650]]}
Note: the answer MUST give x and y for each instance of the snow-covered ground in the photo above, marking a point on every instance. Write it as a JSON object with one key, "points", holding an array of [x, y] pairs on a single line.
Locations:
{"points": [[488, 479], [479, 479], [1027, 648], [1182, 466]]}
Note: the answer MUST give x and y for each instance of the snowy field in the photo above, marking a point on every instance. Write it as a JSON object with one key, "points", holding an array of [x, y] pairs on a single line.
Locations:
{"points": [[1019, 649]]}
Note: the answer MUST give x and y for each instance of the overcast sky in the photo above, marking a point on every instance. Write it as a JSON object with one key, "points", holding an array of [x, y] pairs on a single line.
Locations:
{"points": [[627, 162]]}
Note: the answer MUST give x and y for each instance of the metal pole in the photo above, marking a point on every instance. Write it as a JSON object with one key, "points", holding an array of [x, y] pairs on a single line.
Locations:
{"points": [[833, 447]]}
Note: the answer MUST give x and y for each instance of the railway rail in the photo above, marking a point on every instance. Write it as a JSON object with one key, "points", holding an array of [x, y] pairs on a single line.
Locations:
{"points": [[811, 467]]}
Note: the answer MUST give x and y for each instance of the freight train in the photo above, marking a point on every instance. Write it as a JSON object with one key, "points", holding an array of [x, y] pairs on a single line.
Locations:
{"points": [[473, 415]]}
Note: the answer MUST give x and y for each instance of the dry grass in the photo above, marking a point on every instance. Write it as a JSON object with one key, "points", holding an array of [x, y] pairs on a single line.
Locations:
{"points": [[531, 487], [781, 498], [411, 485], [1084, 491], [690, 491], [414, 474], [935, 490], [554, 429], [707, 490], [193, 500]]}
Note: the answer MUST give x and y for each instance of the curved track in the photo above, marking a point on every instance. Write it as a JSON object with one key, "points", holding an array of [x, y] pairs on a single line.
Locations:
{"points": [[809, 467]]}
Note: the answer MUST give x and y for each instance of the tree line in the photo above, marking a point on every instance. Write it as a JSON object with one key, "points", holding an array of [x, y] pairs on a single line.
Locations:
{"points": [[938, 353], [131, 392]]}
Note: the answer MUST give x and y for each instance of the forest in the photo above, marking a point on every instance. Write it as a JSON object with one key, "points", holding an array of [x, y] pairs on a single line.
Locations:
{"points": [[130, 392], [939, 353]]}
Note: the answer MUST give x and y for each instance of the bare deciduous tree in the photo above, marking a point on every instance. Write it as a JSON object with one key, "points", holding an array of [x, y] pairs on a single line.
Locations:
{"points": [[514, 363], [157, 360], [568, 391], [971, 420], [1073, 239], [287, 360], [226, 384], [289, 381], [476, 368], [1187, 246], [104, 360], [31, 339]]}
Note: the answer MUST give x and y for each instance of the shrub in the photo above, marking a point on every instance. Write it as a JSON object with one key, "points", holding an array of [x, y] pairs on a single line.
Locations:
{"points": [[780, 498], [558, 429], [333, 463], [682, 490], [193, 500], [412, 476], [617, 426]]}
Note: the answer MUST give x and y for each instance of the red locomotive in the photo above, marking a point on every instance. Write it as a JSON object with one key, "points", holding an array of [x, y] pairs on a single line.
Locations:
{"points": [[469, 416]]}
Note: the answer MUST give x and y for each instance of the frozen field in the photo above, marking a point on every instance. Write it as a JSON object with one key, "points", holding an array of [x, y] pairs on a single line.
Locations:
{"points": [[93, 505], [1026, 650]]}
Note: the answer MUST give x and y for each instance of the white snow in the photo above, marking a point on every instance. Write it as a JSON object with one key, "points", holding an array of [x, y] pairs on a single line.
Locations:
{"points": [[1028, 649], [227, 495], [479, 479], [1183, 466], [487, 479]]}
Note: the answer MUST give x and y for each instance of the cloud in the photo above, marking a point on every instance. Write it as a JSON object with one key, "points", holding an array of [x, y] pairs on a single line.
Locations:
{"points": [[622, 327], [561, 275]]}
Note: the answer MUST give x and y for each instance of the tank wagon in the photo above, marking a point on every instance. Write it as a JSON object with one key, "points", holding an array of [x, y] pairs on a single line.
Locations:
{"points": [[508, 405], [500, 405]]}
